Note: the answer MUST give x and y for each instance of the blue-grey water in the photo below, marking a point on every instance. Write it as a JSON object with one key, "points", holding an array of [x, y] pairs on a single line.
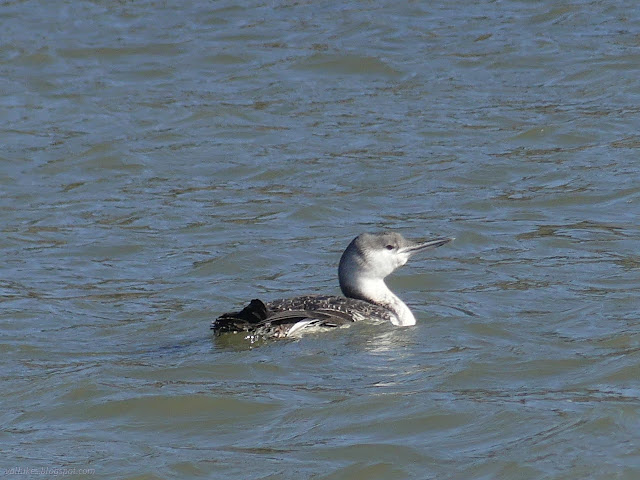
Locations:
{"points": [[164, 162]]}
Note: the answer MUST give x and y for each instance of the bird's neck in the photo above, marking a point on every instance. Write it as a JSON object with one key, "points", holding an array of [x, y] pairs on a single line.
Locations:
{"points": [[376, 291]]}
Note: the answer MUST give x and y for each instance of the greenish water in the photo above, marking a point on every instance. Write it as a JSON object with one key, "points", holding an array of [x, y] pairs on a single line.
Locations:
{"points": [[163, 162]]}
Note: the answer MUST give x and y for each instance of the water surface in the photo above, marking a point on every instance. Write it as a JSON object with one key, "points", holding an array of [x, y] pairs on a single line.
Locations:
{"points": [[163, 162]]}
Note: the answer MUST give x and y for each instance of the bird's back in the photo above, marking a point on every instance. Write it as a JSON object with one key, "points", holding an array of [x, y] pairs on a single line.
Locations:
{"points": [[287, 316]]}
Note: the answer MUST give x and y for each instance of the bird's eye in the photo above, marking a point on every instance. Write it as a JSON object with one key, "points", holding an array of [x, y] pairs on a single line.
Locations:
{"points": [[389, 247]]}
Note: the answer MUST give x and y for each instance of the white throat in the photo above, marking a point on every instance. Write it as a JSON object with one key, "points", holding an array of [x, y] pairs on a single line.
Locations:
{"points": [[356, 282], [376, 291]]}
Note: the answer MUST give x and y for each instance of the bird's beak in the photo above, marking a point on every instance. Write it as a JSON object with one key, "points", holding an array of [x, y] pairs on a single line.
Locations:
{"points": [[418, 247]]}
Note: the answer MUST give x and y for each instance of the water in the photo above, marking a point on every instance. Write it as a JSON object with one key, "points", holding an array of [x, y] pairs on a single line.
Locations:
{"points": [[164, 162]]}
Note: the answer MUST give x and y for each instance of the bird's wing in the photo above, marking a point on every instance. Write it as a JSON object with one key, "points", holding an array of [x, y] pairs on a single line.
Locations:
{"points": [[257, 317]]}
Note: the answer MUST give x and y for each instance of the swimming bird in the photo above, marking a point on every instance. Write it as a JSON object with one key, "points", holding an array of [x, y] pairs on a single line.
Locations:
{"points": [[368, 259]]}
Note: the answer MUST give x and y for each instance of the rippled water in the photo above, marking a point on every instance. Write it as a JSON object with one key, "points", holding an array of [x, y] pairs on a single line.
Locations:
{"points": [[163, 162]]}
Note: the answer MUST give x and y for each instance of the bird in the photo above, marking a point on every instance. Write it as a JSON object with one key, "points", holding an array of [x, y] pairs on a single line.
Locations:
{"points": [[369, 258]]}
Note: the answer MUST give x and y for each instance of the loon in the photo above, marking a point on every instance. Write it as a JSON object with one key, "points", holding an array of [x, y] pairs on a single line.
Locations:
{"points": [[368, 259]]}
